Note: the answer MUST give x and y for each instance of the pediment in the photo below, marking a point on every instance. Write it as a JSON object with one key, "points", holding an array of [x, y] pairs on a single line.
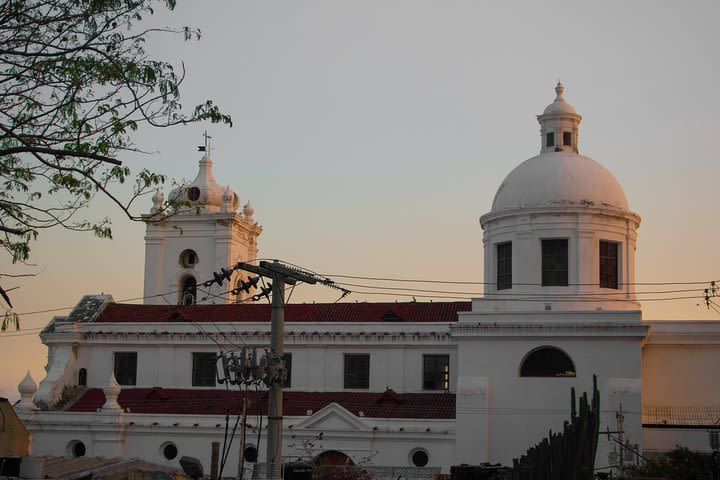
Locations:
{"points": [[333, 417]]}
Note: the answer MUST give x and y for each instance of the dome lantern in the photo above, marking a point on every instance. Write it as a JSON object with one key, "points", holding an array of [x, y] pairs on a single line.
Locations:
{"points": [[559, 125]]}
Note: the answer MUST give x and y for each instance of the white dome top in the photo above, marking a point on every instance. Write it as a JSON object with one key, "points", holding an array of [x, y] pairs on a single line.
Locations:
{"points": [[559, 176], [559, 179], [559, 106], [205, 192]]}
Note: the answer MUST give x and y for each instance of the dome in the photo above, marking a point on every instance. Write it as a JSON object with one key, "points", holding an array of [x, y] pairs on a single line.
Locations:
{"points": [[559, 179], [205, 192], [559, 176], [559, 106]]}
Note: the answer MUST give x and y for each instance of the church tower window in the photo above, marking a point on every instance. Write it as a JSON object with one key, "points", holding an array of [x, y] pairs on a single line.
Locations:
{"points": [[188, 290], [555, 263], [550, 139], [609, 265], [504, 265], [188, 258], [193, 194], [547, 362], [567, 138]]}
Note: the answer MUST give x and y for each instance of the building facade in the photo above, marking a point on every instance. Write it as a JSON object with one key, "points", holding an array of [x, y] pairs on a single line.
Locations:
{"points": [[386, 384]]}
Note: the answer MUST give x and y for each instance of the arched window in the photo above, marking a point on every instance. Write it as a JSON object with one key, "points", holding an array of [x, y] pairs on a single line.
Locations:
{"points": [[547, 362], [82, 377], [188, 289]]}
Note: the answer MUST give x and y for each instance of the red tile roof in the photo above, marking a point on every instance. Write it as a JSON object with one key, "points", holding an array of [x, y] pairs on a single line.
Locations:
{"points": [[441, 312], [219, 402]]}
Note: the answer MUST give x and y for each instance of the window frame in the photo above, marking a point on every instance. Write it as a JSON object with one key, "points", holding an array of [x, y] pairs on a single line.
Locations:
{"points": [[606, 277], [567, 139], [199, 373], [188, 258], [353, 380], [547, 273], [549, 139], [503, 266], [120, 377], [436, 376]]}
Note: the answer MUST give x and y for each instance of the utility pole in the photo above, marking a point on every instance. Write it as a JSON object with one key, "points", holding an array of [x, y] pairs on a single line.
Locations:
{"points": [[620, 417], [280, 275], [241, 456], [275, 394]]}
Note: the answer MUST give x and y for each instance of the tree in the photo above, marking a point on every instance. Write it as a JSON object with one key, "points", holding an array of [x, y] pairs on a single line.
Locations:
{"points": [[75, 82], [679, 464]]}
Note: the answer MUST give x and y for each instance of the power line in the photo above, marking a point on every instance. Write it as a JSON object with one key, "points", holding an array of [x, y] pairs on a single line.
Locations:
{"points": [[459, 282], [524, 298], [526, 294]]}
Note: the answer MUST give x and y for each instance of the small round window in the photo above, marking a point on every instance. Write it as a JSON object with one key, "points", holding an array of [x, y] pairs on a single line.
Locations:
{"points": [[188, 258], [169, 451], [419, 457], [251, 454], [193, 193], [76, 448]]}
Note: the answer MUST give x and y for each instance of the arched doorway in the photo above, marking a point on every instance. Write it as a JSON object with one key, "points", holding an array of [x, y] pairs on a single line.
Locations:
{"points": [[332, 457]]}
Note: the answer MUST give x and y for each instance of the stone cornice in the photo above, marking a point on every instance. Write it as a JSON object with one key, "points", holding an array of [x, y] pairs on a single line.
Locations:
{"points": [[683, 332], [210, 337], [522, 330], [563, 208]]}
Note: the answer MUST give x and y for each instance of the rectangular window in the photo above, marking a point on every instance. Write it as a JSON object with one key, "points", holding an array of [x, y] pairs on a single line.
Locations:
{"points": [[608, 265], [204, 369], [357, 371], [436, 372], [288, 370], [555, 263], [567, 138], [504, 265], [550, 139], [125, 368]]}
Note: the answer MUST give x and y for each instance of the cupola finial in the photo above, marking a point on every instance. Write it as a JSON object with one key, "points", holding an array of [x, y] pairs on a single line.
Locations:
{"points": [[206, 147], [559, 89]]}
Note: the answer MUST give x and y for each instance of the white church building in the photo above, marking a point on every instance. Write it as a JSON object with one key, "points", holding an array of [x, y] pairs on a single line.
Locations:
{"points": [[426, 384]]}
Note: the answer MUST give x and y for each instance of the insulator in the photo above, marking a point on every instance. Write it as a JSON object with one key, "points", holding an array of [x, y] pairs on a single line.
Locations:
{"points": [[222, 275]]}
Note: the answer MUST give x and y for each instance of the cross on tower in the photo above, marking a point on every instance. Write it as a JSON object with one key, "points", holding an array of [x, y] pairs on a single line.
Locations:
{"points": [[205, 148]]}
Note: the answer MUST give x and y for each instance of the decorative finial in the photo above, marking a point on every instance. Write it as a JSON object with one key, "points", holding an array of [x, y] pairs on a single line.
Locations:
{"points": [[205, 148], [248, 211], [112, 392], [27, 389], [559, 89], [157, 200], [227, 198]]}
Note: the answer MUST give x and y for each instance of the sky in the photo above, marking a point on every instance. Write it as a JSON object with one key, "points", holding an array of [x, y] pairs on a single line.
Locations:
{"points": [[370, 136]]}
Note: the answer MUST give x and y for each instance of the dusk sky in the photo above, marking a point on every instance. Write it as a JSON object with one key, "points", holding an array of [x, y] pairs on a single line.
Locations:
{"points": [[370, 136]]}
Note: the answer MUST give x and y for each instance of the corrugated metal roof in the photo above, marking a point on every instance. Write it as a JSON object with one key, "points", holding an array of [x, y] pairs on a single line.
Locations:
{"points": [[674, 417], [219, 402], [79, 467], [62, 467], [442, 312]]}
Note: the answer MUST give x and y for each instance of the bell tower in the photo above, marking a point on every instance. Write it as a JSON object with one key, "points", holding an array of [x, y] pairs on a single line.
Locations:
{"points": [[196, 234]]}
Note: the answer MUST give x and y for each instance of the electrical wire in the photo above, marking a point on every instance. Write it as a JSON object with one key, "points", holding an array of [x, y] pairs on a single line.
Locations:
{"points": [[455, 282], [525, 298]]}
